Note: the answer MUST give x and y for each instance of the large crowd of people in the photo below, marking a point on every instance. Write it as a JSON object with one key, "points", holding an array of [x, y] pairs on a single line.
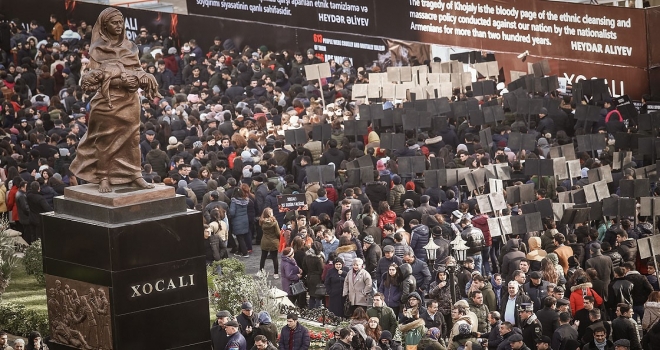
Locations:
{"points": [[217, 135]]}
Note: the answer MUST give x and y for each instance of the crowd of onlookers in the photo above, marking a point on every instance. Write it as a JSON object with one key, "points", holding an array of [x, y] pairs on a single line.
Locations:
{"points": [[218, 136]]}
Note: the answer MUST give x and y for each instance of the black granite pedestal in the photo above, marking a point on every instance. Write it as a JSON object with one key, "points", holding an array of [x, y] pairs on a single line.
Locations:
{"points": [[125, 271]]}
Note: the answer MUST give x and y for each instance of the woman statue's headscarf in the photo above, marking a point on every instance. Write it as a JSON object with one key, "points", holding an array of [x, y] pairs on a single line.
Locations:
{"points": [[99, 30]]}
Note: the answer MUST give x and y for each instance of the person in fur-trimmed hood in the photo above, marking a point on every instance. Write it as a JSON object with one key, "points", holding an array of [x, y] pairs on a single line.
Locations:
{"points": [[578, 291], [346, 251], [651, 311], [412, 329]]}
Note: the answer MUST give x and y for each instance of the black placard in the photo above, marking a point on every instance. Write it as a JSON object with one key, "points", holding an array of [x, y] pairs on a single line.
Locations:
{"points": [[355, 127], [321, 132], [543, 206], [408, 166], [392, 141], [634, 188], [459, 109], [590, 142], [587, 113], [295, 136], [320, 173], [519, 141]]}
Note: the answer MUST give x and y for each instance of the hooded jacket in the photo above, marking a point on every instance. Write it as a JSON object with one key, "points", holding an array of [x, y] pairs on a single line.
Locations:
{"points": [[238, 214], [394, 198], [322, 205], [651, 315], [377, 192], [628, 250], [408, 282], [548, 240], [419, 237], [511, 260], [577, 297], [641, 287], [270, 239], [536, 253], [385, 218], [347, 253]]}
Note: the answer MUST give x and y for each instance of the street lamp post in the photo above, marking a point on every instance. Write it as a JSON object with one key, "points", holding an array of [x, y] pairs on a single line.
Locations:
{"points": [[451, 270], [431, 254], [459, 254]]}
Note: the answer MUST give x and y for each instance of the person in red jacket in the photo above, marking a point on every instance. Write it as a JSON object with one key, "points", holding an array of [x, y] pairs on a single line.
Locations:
{"points": [[581, 289], [11, 203], [385, 215], [481, 222]]}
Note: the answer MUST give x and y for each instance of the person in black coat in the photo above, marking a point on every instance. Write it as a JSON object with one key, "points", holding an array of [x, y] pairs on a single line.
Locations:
{"points": [[248, 321], [564, 333], [332, 155], [409, 214], [623, 327], [518, 298], [334, 286], [641, 288], [38, 205], [322, 204], [376, 191], [548, 316], [494, 337], [411, 194], [530, 325], [218, 333], [545, 125]]}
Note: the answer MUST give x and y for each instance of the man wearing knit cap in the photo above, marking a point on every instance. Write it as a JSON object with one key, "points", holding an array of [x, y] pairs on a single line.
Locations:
{"points": [[411, 194]]}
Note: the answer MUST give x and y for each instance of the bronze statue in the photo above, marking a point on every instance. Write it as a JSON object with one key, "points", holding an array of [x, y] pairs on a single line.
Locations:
{"points": [[109, 152]]}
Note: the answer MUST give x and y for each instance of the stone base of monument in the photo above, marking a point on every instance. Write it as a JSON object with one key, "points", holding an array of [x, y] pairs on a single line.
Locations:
{"points": [[125, 270]]}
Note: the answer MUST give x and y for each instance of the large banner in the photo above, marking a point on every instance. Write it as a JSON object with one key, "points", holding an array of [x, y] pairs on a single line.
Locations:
{"points": [[346, 16], [547, 29], [631, 79], [361, 50]]}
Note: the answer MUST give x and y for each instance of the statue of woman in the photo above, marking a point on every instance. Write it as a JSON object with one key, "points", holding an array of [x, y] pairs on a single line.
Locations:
{"points": [[109, 153]]}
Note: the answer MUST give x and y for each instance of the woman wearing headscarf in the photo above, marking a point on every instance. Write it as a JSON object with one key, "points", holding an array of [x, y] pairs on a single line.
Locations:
{"points": [[114, 130], [430, 340], [312, 269], [334, 286], [536, 253], [543, 147], [289, 273], [266, 327]]}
